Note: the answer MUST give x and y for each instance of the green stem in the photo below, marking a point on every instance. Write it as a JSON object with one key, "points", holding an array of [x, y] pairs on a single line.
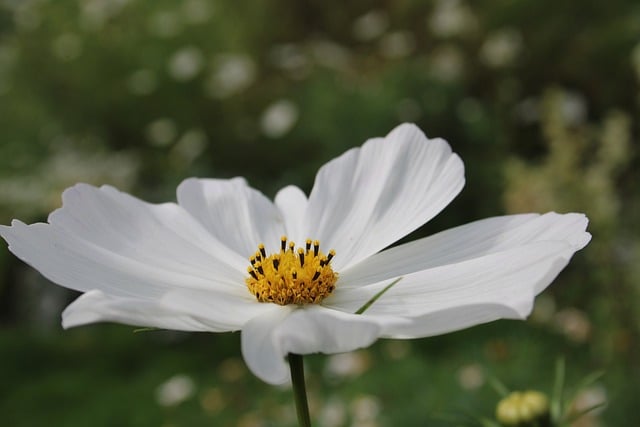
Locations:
{"points": [[299, 391]]}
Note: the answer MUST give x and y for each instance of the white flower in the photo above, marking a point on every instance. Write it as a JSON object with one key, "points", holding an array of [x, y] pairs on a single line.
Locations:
{"points": [[185, 266]]}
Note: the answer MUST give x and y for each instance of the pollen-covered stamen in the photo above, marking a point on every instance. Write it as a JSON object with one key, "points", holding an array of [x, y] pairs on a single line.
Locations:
{"points": [[291, 276]]}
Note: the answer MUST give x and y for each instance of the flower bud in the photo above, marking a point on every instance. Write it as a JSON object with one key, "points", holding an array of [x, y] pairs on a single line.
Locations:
{"points": [[523, 409]]}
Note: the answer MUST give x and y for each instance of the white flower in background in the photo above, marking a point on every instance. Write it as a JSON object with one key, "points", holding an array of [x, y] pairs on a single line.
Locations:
{"points": [[185, 63], [67, 47], [330, 54], [398, 44], [279, 118], [175, 390], [94, 14], [197, 11], [164, 24], [501, 48], [161, 132], [190, 146], [451, 18], [232, 73], [447, 63], [142, 82], [371, 25], [291, 58], [218, 259]]}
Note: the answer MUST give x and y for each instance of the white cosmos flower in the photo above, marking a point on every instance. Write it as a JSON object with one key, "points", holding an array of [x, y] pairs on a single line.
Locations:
{"points": [[184, 266]]}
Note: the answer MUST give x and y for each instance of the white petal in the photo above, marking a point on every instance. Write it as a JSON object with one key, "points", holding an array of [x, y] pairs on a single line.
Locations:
{"points": [[106, 240], [220, 311], [509, 279], [95, 306], [292, 203], [262, 352], [267, 339], [233, 212], [450, 320], [372, 196], [466, 242]]}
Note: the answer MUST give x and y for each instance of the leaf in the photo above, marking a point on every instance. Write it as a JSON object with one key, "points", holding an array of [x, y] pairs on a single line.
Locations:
{"points": [[586, 382], [498, 386], [557, 399], [376, 296], [574, 417], [138, 330]]}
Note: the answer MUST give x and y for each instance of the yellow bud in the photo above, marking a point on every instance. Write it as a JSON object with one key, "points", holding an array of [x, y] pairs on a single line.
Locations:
{"points": [[523, 408]]}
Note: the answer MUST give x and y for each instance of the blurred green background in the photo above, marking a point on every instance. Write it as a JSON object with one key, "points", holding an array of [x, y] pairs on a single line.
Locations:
{"points": [[540, 99]]}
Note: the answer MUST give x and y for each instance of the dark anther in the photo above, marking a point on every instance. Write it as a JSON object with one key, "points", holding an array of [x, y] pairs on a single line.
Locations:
{"points": [[308, 246], [301, 256], [276, 263], [316, 248], [331, 255], [294, 274], [253, 274], [263, 252], [260, 270], [316, 275], [283, 243]]}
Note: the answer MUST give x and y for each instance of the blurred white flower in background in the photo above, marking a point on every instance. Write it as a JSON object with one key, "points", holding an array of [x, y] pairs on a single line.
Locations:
{"points": [[501, 47], [279, 118], [574, 108], [95, 13], [189, 146], [142, 82], [26, 15], [231, 73], [451, 18], [446, 63], [588, 398], [364, 410], [370, 26], [471, 376], [175, 390], [397, 44], [161, 132], [197, 11], [397, 350], [186, 63], [164, 24], [330, 54], [347, 365], [333, 413], [291, 58], [67, 47], [573, 323]]}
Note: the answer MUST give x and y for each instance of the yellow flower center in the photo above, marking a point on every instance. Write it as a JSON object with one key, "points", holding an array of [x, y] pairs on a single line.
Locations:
{"points": [[291, 276]]}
